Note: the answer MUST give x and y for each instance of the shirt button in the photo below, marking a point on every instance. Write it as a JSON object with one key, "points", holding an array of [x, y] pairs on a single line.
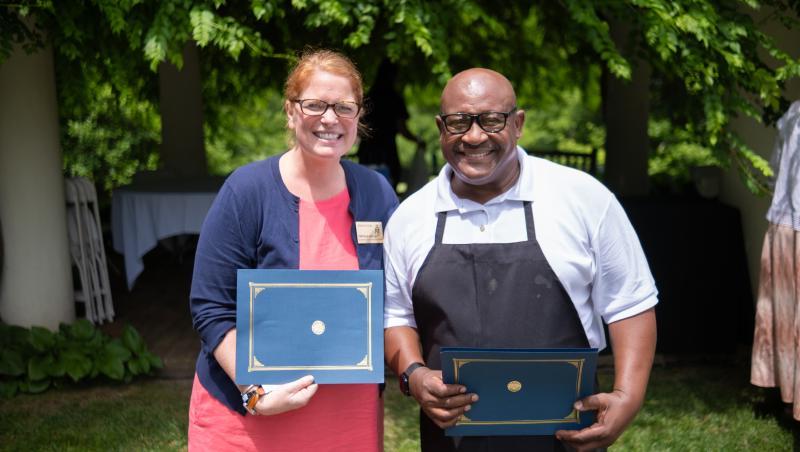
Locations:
{"points": [[483, 228]]}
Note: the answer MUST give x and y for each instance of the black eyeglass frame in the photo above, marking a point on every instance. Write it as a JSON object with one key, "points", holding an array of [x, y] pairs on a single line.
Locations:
{"points": [[327, 106], [477, 117]]}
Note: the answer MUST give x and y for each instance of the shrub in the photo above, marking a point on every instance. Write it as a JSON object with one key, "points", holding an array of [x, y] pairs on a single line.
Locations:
{"points": [[34, 359]]}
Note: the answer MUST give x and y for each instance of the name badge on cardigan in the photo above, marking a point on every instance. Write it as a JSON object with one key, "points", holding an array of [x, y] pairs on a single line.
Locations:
{"points": [[369, 232]]}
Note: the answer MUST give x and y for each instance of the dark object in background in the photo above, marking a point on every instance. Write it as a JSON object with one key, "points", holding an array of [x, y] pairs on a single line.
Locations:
{"points": [[385, 117], [695, 249], [2, 262]]}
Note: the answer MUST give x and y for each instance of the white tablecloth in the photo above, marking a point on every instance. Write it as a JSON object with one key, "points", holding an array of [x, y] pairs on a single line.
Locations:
{"points": [[140, 218]]}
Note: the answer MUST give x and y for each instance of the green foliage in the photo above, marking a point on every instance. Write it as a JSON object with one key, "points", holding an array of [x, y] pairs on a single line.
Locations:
{"points": [[109, 130], [248, 129], [709, 67], [674, 154], [33, 360], [710, 59]]}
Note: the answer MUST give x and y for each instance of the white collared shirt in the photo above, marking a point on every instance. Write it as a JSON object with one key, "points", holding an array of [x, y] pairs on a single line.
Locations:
{"points": [[580, 226]]}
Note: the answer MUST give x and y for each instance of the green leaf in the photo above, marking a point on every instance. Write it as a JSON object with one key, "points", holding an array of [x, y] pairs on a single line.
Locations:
{"points": [[37, 386], [115, 349], [96, 342], [132, 340], [111, 361], [82, 330], [154, 360], [76, 365], [144, 364], [13, 335], [139, 365], [57, 369], [8, 388], [111, 366], [11, 363], [39, 366], [202, 21], [133, 366], [42, 339]]}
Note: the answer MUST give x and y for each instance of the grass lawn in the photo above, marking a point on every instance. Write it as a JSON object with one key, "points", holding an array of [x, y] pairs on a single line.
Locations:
{"points": [[689, 408]]}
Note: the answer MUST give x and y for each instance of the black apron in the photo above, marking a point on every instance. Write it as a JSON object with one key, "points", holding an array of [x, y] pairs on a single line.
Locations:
{"points": [[490, 295]]}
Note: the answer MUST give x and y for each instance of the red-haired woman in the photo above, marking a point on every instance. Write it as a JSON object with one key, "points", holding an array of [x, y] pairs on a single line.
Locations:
{"points": [[295, 210]]}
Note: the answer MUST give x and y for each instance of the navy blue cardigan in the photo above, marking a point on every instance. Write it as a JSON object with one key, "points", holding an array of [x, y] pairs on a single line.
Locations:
{"points": [[253, 223]]}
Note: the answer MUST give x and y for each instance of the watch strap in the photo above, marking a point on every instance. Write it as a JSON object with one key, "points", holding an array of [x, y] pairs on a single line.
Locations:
{"points": [[250, 397], [406, 375]]}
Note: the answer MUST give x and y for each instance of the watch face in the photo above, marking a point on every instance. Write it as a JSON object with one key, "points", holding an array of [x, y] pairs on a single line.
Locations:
{"points": [[404, 384], [405, 375]]}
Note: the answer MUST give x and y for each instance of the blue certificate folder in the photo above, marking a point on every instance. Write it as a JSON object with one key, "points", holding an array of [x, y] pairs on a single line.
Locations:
{"points": [[522, 391], [291, 323]]}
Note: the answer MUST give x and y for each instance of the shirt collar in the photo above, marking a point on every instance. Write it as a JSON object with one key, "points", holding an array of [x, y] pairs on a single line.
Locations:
{"points": [[522, 190]]}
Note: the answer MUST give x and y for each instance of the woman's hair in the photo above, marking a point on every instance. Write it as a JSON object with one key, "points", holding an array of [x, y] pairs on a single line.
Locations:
{"points": [[322, 60]]}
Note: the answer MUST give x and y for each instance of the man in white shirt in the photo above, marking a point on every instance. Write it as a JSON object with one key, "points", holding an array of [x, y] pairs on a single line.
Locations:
{"points": [[507, 250]]}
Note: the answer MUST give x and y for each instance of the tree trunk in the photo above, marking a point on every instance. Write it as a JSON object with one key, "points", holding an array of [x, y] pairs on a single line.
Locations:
{"points": [[626, 106], [181, 102]]}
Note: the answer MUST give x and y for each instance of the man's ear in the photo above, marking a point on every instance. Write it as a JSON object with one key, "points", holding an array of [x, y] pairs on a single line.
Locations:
{"points": [[440, 124], [519, 121]]}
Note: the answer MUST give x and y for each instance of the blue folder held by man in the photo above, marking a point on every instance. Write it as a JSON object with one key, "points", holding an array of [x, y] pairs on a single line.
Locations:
{"points": [[521, 391]]}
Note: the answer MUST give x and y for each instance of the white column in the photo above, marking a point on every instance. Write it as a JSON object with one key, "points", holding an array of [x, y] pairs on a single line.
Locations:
{"points": [[36, 280]]}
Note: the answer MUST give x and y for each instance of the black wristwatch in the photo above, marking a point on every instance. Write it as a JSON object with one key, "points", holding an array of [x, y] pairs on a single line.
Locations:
{"points": [[406, 375]]}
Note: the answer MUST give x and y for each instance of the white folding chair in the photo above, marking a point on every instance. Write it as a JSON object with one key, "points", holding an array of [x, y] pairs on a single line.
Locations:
{"points": [[77, 248], [89, 250], [91, 216]]}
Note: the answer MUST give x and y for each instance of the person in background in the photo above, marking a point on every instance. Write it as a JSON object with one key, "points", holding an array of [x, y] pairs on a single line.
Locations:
{"points": [[503, 249], [385, 118], [776, 351], [294, 210]]}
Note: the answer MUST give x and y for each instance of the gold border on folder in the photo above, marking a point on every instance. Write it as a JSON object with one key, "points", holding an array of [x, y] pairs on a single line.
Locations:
{"points": [[254, 365], [573, 416]]}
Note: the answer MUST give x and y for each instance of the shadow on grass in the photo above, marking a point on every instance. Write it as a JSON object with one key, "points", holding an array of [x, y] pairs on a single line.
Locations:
{"points": [[769, 405]]}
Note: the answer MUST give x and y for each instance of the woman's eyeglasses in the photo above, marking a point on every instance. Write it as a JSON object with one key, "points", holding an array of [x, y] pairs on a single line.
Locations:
{"points": [[489, 121], [316, 107]]}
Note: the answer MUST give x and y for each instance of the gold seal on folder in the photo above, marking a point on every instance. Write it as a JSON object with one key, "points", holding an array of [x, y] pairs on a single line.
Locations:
{"points": [[514, 386], [318, 327]]}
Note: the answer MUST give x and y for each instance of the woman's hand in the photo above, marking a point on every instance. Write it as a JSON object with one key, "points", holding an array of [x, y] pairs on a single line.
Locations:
{"points": [[287, 397]]}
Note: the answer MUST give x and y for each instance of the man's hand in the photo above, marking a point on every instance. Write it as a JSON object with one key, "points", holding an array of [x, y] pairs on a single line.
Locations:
{"points": [[443, 403], [287, 397], [615, 411], [634, 345]]}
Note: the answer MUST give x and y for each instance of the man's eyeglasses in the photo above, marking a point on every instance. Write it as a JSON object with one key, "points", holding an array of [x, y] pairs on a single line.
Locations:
{"points": [[489, 121], [316, 107]]}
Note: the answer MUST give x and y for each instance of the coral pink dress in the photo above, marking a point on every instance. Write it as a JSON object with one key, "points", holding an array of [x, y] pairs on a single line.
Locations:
{"points": [[338, 417]]}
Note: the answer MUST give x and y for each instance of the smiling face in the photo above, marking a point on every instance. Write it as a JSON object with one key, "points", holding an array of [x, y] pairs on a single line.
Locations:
{"points": [[485, 164], [326, 136]]}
